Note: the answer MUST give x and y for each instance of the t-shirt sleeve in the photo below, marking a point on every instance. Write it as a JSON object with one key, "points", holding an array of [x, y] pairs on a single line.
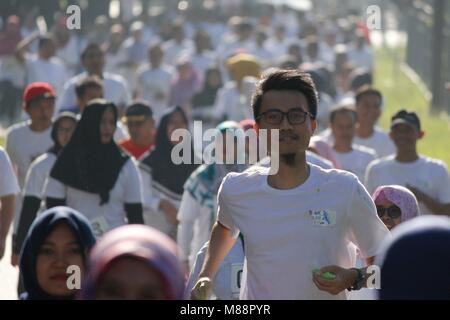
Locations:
{"points": [[68, 97], [133, 183], [365, 229], [8, 180], [34, 182], [55, 189], [224, 215], [443, 185], [150, 199]]}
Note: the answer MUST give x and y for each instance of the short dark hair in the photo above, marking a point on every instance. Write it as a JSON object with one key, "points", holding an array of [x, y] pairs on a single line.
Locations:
{"points": [[344, 108], [86, 83], [44, 38], [367, 90], [286, 80], [90, 46]]}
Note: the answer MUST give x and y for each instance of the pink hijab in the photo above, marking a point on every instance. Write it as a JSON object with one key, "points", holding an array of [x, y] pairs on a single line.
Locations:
{"points": [[401, 197], [139, 241]]}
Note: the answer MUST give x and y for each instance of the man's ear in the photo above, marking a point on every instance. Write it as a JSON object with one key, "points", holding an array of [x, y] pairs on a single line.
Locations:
{"points": [[312, 124], [421, 134]]}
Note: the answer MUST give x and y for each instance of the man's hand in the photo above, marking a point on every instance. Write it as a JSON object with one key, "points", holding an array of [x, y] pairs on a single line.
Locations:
{"points": [[344, 279], [15, 260], [169, 210], [202, 289]]}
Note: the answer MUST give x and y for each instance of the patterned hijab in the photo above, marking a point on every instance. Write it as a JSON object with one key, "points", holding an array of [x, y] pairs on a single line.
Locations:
{"points": [[401, 197]]}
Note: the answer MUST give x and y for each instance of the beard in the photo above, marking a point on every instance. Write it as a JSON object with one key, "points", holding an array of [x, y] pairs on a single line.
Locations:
{"points": [[289, 159]]}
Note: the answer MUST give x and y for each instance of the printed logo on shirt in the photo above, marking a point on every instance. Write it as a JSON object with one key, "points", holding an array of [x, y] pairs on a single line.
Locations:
{"points": [[322, 218]]}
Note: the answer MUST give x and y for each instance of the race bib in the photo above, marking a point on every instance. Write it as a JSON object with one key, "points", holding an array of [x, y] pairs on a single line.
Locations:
{"points": [[99, 226], [322, 218], [236, 279]]}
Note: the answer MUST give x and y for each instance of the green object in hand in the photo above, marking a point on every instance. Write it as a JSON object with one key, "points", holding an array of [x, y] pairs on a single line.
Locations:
{"points": [[326, 275]]}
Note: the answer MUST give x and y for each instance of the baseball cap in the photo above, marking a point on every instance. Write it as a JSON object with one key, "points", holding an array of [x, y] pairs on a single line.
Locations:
{"points": [[138, 111], [406, 117], [37, 90]]}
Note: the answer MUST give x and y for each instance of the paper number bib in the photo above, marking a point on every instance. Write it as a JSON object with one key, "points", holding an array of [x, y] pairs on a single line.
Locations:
{"points": [[236, 279], [99, 226]]}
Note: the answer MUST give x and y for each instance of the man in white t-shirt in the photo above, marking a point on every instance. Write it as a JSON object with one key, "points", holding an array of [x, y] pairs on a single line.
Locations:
{"points": [[45, 66], [27, 140], [408, 168], [154, 81], [177, 46], [368, 109], [298, 219], [115, 87], [361, 54], [353, 158], [9, 188]]}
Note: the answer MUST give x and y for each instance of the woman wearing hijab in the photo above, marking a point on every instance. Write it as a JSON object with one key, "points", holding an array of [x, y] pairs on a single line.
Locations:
{"points": [[203, 102], [198, 208], [60, 237], [395, 204], [185, 85], [134, 263], [415, 262], [93, 175], [38, 173], [162, 179]]}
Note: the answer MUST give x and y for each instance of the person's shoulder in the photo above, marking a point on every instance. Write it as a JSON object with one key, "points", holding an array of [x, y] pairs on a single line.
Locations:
{"points": [[239, 181], [365, 151], [381, 133], [45, 160], [341, 177], [17, 128], [433, 162], [382, 163], [114, 78]]}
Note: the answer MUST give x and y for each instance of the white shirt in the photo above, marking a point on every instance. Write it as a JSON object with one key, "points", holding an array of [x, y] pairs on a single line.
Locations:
{"points": [[51, 71], [361, 58], [228, 279], [153, 85], [356, 161], [426, 174], [311, 157], [112, 214], [173, 50], [287, 233], [8, 180], [115, 89], [263, 54], [24, 146], [232, 104], [202, 62], [153, 193], [378, 141], [38, 174]]}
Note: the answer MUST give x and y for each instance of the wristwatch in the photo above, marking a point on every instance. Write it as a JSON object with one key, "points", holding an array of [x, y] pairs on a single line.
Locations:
{"points": [[359, 281]]}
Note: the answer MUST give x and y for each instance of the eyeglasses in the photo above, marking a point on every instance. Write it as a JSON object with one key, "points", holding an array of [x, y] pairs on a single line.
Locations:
{"points": [[294, 116], [393, 212]]}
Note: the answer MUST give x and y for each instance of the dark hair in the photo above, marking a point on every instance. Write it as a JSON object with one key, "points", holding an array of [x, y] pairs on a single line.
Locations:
{"points": [[342, 109], [90, 46], [43, 39], [86, 83], [286, 80], [366, 90]]}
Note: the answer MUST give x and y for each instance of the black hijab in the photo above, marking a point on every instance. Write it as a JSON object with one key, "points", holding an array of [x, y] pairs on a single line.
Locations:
{"points": [[168, 174], [87, 164], [57, 147], [207, 96], [38, 233]]}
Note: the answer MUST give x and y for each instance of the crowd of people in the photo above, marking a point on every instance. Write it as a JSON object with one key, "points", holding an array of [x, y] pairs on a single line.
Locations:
{"points": [[89, 179]]}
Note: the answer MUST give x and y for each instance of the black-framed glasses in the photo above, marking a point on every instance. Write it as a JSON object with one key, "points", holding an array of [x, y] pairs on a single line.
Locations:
{"points": [[294, 116], [393, 212]]}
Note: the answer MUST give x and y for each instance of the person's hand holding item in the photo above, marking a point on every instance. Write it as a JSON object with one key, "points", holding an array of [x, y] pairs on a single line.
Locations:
{"points": [[343, 279], [202, 289], [169, 210]]}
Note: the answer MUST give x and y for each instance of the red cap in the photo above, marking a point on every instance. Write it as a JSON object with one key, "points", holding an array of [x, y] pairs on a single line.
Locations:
{"points": [[38, 89]]}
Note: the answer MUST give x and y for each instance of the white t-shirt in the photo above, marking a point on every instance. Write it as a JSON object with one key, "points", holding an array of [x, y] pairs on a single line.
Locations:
{"points": [[153, 85], [38, 174], [115, 89], [288, 233], [356, 161], [379, 141], [228, 279], [311, 157], [173, 50], [24, 146], [51, 71], [112, 214], [8, 180], [232, 104], [361, 58], [426, 174]]}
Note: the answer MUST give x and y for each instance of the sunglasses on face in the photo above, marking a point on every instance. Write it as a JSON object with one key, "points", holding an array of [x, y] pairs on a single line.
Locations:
{"points": [[393, 212], [294, 116]]}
